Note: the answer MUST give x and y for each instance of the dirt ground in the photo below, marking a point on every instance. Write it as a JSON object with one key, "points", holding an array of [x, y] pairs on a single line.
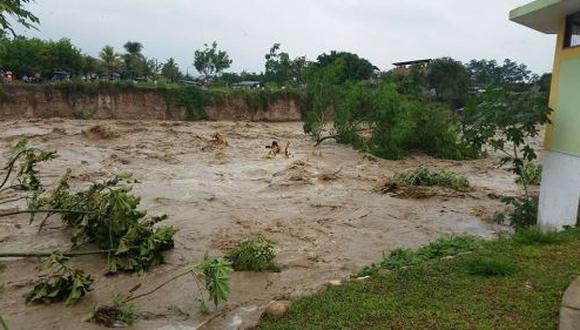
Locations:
{"points": [[320, 206]]}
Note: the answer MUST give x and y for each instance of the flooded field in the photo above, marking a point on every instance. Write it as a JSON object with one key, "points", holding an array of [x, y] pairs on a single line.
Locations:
{"points": [[320, 205]]}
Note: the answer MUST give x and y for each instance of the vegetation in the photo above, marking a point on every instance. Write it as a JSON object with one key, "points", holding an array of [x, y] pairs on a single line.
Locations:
{"points": [[61, 283], [502, 284], [11, 10], [531, 174], [353, 68], [443, 247], [254, 254], [210, 61], [450, 80], [282, 70], [426, 177]]}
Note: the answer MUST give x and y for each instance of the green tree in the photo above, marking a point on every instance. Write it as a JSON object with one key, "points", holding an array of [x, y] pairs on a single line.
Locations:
{"points": [[62, 55], [170, 71], [29, 56], [354, 67], [450, 79], [14, 9], [135, 62], [210, 61], [278, 66], [110, 58]]}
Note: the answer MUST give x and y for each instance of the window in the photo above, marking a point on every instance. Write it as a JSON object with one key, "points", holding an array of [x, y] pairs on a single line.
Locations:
{"points": [[572, 31]]}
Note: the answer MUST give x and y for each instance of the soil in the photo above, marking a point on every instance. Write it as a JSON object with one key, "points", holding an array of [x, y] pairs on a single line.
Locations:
{"points": [[219, 185]]}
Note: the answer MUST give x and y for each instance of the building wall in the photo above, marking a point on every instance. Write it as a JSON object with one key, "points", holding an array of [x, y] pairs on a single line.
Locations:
{"points": [[560, 189], [564, 133]]}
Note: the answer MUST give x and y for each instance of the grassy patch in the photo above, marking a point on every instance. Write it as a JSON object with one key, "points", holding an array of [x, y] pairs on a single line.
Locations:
{"points": [[2, 267], [535, 236], [490, 267], [425, 177], [443, 247], [255, 254], [521, 288]]}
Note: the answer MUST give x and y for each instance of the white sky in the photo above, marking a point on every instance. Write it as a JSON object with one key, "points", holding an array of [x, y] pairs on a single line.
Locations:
{"points": [[383, 31]]}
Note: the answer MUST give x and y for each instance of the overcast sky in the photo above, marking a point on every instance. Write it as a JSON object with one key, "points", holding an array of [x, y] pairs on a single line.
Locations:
{"points": [[383, 31]]}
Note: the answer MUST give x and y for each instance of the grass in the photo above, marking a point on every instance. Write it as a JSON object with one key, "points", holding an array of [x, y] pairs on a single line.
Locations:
{"points": [[443, 247], [426, 177], [504, 284], [254, 254]]}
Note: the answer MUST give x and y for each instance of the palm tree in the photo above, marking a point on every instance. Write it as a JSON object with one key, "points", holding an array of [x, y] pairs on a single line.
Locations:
{"points": [[133, 47], [171, 71], [109, 58]]}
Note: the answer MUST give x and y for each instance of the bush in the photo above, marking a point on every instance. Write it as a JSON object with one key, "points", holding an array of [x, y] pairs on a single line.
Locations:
{"points": [[522, 212], [490, 267], [426, 177], [531, 175], [254, 254]]}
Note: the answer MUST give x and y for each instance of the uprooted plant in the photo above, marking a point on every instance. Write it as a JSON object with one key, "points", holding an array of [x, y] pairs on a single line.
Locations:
{"points": [[254, 254], [104, 214], [426, 177], [211, 275], [507, 118], [61, 282]]}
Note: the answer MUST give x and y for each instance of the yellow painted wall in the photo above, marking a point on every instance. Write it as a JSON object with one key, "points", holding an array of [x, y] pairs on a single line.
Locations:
{"points": [[562, 54]]}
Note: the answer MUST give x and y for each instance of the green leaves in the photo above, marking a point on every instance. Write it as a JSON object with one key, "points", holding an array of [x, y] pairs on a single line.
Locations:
{"points": [[62, 283], [254, 254], [216, 273], [426, 177], [106, 215]]}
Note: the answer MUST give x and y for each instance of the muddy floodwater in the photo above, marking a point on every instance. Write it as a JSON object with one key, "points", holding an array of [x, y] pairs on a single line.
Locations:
{"points": [[320, 205]]}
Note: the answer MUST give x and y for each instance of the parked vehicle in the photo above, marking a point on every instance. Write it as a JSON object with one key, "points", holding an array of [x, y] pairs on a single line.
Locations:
{"points": [[60, 75]]}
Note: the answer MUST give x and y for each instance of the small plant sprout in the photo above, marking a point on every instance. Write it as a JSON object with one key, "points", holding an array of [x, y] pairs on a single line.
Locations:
{"points": [[254, 254], [62, 282]]}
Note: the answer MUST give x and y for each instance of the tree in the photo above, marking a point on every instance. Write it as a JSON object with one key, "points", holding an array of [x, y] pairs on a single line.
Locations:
{"points": [[484, 73], [450, 80], [135, 62], [110, 58], [15, 10], [278, 66], [170, 70], [354, 67], [210, 61], [29, 56]]}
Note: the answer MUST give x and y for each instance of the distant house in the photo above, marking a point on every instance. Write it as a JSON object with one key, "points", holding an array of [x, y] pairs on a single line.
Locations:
{"points": [[248, 84], [402, 68]]}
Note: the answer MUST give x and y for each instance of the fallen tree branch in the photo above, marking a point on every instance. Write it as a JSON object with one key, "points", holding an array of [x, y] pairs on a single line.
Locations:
{"points": [[7, 214], [48, 254], [152, 291], [330, 137]]}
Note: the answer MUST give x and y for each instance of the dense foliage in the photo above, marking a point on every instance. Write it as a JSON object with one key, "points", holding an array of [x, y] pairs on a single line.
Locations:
{"points": [[426, 177], [211, 61], [254, 254]]}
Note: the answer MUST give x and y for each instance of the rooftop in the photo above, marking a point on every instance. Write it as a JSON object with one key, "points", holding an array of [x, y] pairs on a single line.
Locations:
{"points": [[544, 15]]}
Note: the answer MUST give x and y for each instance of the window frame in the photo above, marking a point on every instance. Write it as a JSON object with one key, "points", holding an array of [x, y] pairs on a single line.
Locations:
{"points": [[568, 31]]}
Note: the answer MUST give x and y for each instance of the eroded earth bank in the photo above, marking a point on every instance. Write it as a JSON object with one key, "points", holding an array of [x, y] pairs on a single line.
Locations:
{"points": [[320, 205]]}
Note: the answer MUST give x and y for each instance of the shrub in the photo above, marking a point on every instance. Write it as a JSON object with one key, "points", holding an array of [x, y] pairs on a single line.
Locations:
{"points": [[522, 212], [531, 175], [423, 176], [254, 254], [535, 236], [490, 267]]}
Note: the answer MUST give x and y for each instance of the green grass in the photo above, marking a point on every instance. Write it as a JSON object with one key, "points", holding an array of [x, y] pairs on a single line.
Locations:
{"points": [[502, 285], [2, 267], [426, 177]]}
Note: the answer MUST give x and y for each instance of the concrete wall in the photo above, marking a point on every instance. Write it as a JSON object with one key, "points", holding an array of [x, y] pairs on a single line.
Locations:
{"points": [[560, 191]]}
